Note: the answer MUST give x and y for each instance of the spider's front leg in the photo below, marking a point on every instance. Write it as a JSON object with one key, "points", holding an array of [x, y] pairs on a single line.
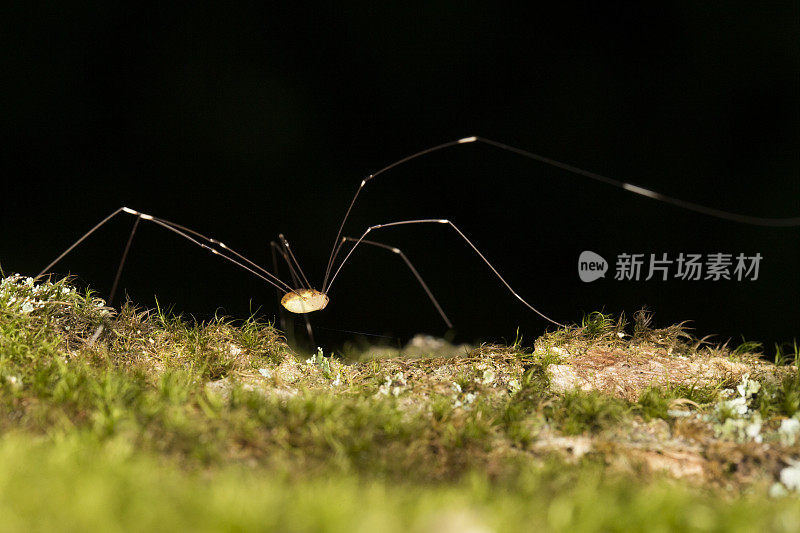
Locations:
{"points": [[212, 245]]}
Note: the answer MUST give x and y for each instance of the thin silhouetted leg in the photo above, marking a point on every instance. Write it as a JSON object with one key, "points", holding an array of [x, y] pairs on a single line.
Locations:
{"points": [[290, 255], [469, 242], [337, 243], [284, 252], [630, 187], [221, 244], [281, 312], [76, 243], [191, 236], [414, 271], [122, 263], [309, 331], [117, 277], [292, 270]]}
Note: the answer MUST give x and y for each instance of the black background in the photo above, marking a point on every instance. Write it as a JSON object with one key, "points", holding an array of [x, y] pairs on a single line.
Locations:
{"points": [[246, 121]]}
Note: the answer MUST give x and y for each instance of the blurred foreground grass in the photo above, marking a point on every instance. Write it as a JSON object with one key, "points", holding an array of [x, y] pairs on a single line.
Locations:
{"points": [[75, 483], [138, 420]]}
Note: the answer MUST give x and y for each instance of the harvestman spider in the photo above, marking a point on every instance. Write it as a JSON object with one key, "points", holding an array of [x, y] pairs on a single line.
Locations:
{"points": [[302, 298]]}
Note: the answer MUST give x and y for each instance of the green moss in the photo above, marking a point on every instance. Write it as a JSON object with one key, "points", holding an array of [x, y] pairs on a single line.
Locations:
{"points": [[577, 411], [656, 402], [138, 420]]}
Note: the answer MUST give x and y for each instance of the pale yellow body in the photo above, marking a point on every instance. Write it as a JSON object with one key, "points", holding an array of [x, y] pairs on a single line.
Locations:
{"points": [[304, 301]]}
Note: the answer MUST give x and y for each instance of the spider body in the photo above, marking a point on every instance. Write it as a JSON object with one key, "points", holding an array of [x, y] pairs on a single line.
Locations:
{"points": [[304, 300]]}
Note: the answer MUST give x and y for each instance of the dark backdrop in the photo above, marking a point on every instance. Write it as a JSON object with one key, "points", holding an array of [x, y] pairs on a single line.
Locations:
{"points": [[246, 121]]}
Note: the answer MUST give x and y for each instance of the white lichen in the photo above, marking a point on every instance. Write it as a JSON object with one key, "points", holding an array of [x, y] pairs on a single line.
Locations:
{"points": [[733, 418], [789, 431], [488, 377], [790, 477], [748, 388], [789, 481], [393, 385]]}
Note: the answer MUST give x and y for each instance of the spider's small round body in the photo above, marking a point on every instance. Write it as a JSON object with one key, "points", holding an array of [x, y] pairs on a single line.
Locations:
{"points": [[304, 300]]}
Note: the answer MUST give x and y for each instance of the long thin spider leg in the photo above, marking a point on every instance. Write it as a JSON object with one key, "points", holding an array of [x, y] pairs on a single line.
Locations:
{"points": [[333, 259], [683, 204], [336, 241], [83, 238], [309, 330], [118, 275], [221, 245], [168, 225], [281, 313], [122, 262], [292, 272], [326, 289], [414, 271], [217, 252], [677, 202], [296, 262], [469, 242], [279, 249]]}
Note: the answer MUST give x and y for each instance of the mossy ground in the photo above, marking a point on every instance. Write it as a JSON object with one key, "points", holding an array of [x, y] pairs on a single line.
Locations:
{"points": [[136, 419]]}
